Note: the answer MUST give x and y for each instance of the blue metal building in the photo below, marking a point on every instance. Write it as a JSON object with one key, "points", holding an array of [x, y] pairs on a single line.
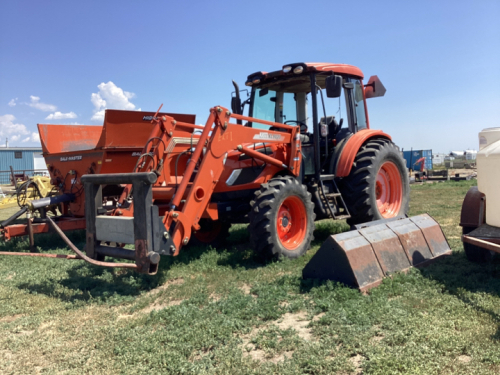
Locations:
{"points": [[20, 158], [412, 156]]}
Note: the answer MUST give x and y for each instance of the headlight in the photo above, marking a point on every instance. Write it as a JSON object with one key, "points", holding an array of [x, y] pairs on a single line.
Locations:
{"points": [[298, 69], [287, 69]]}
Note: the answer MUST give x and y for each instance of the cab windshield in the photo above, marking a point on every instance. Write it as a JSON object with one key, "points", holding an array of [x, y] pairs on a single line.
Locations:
{"points": [[273, 106], [289, 101]]}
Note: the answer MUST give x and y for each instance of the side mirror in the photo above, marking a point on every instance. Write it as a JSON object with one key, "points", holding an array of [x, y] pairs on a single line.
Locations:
{"points": [[236, 105], [374, 88], [333, 86]]}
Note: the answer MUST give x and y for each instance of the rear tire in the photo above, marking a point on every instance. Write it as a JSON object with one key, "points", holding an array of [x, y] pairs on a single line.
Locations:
{"points": [[378, 186], [475, 253], [281, 219]]}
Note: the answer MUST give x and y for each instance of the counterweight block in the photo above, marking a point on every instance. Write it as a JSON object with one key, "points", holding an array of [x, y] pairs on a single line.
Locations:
{"points": [[362, 258]]}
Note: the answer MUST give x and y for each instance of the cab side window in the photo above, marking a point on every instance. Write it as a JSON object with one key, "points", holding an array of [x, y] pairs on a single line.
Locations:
{"points": [[359, 104]]}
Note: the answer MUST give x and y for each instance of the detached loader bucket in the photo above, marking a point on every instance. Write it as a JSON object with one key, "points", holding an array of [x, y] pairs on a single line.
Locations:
{"points": [[363, 257]]}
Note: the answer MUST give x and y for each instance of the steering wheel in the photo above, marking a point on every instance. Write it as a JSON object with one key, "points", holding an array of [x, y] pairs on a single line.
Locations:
{"points": [[303, 127]]}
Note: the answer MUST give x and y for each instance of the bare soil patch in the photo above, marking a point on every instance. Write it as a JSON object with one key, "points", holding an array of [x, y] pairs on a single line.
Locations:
{"points": [[464, 358], [169, 283], [245, 288], [160, 306], [297, 321], [318, 317], [11, 318], [357, 360]]}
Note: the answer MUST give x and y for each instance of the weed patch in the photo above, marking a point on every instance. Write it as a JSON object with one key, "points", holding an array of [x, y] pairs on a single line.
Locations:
{"points": [[222, 311]]}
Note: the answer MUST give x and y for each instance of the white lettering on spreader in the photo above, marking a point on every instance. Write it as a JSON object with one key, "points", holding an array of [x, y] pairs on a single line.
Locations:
{"points": [[268, 137], [136, 154], [71, 158]]}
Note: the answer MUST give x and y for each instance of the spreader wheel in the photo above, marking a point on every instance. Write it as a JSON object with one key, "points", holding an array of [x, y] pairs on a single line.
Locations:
{"points": [[378, 186], [281, 219], [28, 189]]}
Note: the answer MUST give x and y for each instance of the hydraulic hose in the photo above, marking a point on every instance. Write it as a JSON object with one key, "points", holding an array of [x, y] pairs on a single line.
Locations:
{"points": [[83, 256]]}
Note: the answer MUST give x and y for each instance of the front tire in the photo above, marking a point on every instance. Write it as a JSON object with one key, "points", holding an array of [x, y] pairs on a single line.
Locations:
{"points": [[378, 185], [281, 219]]}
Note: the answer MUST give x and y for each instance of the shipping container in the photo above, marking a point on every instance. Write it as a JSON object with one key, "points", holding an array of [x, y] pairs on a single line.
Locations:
{"points": [[412, 156]]}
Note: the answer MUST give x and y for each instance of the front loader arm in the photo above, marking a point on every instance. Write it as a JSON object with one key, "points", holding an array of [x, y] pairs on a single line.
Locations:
{"points": [[224, 137], [138, 221]]}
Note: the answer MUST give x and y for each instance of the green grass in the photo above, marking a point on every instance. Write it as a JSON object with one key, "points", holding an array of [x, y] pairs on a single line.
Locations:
{"points": [[221, 311]]}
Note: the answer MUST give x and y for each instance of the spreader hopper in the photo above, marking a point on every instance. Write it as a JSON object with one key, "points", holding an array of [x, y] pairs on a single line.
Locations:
{"points": [[72, 151], [361, 258]]}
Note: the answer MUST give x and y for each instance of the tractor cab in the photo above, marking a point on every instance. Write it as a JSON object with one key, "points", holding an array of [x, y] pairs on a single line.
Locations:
{"points": [[327, 101]]}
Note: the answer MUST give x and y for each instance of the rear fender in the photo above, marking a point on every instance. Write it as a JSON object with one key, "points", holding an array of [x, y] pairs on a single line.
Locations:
{"points": [[473, 209], [350, 148]]}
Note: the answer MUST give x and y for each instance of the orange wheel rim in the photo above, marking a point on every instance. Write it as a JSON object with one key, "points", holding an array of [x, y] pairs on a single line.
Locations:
{"points": [[292, 222], [389, 190]]}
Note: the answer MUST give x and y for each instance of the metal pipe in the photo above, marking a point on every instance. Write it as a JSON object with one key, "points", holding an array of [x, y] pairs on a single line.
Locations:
{"points": [[60, 256], [481, 243], [264, 158], [30, 235], [188, 125], [115, 252], [317, 156], [270, 123], [13, 177], [13, 217], [44, 202], [83, 256]]}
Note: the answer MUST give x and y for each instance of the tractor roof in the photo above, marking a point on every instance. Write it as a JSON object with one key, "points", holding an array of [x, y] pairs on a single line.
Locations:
{"points": [[309, 67]]}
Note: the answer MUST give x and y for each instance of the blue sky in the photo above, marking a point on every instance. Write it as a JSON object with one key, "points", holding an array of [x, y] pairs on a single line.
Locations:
{"points": [[60, 61]]}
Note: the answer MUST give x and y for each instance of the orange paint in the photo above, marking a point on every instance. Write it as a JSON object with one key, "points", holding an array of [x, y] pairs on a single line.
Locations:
{"points": [[352, 147]]}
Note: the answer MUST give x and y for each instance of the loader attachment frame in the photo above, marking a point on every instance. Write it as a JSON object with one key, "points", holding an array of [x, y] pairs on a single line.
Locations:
{"points": [[142, 230], [136, 219]]}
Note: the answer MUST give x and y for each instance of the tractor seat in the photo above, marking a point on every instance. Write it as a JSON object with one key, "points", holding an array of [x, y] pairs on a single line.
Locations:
{"points": [[333, 125], [304, 138]]}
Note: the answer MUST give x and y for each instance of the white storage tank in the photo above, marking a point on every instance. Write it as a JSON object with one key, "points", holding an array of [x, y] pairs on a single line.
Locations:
{"points": [[488, 173]]}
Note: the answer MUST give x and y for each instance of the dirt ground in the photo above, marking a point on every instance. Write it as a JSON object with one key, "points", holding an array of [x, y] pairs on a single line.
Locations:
{"points": [[462, 172]]}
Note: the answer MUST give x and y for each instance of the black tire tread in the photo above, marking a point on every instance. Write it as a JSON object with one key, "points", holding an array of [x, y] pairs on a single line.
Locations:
{"points": [[262, 227], [356, 187]]}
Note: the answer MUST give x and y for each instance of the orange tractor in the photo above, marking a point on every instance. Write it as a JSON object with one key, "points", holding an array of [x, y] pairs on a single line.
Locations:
{"points": [[304, 152]]}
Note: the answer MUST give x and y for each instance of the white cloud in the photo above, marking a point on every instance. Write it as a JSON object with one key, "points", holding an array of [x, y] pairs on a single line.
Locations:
{"points": [[110, 96], [10, 129], [35, 103], [59, 115], [12, 103], [35, 137], [98, 116]]}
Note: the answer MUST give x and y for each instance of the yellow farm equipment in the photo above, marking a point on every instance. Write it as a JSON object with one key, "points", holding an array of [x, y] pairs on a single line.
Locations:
{"points": [[35, 187]]}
